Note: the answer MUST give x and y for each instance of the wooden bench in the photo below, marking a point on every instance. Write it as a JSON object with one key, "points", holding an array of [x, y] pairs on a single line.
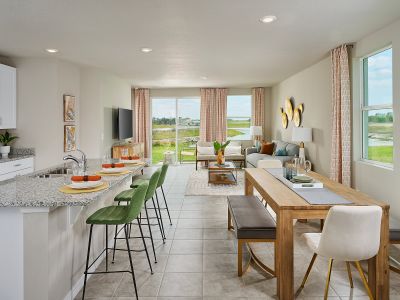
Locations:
{"points": [[252, 223]]}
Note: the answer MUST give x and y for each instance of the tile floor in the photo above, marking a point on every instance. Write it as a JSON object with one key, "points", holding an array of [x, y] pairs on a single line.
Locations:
{"points": [[198, 260]]}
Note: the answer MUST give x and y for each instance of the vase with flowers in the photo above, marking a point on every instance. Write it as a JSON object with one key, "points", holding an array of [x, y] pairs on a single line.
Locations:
{"points": [[219, 150]]}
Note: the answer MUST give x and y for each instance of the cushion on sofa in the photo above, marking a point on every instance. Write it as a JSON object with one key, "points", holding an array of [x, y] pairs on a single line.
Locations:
{"points": [[233, 150], [205, 150], [280, 145], [281, 152], [267, 148], [292, 149], [253, 158]]}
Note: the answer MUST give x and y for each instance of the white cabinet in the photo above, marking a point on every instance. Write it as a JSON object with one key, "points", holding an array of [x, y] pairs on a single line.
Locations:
{"points": [[8, 97], [13, 168]]}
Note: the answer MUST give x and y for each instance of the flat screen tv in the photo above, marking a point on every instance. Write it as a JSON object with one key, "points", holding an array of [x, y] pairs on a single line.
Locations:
{"points": [[125, 125]]}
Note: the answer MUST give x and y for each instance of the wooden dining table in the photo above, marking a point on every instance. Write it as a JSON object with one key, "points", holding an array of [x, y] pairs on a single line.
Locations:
{"points": [[289, 206]]}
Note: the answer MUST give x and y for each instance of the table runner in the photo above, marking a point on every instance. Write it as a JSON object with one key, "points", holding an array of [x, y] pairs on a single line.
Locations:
{"points": [[316, 196]]}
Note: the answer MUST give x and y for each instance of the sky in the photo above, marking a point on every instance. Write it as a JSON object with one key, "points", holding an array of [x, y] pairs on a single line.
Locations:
{"points": [[238, 106], [380, 82]]}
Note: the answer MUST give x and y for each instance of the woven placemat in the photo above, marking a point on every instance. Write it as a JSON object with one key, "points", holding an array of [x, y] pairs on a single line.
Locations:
{"points": [[68, 190]]}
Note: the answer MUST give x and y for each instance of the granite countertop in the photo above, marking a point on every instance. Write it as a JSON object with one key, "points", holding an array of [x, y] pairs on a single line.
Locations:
{"points": [[31, 191], [18, 153]]}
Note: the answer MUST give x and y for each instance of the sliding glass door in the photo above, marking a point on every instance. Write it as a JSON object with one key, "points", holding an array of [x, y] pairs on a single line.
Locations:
{"points": [[175, 127]]}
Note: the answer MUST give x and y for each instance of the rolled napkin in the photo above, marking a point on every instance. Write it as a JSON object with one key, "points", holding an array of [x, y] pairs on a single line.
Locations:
{"points": [[133, 157], [106, 166], [86, 178]]}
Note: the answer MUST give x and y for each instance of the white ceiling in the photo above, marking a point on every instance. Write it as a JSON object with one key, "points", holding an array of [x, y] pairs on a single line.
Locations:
{"points": [[220, 39]]}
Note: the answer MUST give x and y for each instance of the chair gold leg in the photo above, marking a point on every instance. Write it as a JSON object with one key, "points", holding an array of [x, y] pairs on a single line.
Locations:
{"points": [[364, 280], [349, 273], [308, 270], [328, 279]]}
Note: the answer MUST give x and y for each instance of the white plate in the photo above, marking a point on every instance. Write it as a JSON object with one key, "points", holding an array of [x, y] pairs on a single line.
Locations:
{"points": [[131, 161], [85, 184], [113, 170]]}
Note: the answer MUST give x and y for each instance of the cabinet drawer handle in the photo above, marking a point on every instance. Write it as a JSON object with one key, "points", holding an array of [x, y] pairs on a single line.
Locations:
{"points": [[17, 165]]}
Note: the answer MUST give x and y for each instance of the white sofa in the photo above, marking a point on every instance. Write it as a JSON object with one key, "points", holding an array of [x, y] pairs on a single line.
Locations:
{"points": [[205, 152], [253, 156]]}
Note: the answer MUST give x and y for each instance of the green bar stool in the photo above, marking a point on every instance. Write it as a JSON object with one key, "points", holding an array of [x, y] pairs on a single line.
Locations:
{"points": [[152, 183], [116, 215], [160, 184]]}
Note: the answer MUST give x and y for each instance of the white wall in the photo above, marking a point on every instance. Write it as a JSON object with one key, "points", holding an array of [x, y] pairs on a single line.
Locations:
{"points": [[376, 181], [41, 84], [312, 87], [101, 92]]}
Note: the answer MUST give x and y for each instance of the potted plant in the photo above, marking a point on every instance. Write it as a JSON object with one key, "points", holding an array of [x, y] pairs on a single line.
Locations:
{"points": [[219, 150], [5, 140]]}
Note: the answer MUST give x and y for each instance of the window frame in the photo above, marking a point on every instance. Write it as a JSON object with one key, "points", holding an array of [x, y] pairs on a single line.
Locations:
{"points": [[366, 108], [250, 117]]}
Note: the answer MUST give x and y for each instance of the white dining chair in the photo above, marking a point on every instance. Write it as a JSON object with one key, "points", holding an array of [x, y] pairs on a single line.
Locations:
{"points": [[350, 234], [269, 164]]}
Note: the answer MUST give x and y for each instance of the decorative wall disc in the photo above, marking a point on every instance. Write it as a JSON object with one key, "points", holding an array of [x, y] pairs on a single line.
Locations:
{"points": [[284, 120], [289, 108], [297, 117]]}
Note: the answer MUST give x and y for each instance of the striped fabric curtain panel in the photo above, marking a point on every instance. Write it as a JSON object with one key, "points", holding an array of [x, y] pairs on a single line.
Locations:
{"points": [[141, 99], [213, 114], [258, 107], [341, 116]]}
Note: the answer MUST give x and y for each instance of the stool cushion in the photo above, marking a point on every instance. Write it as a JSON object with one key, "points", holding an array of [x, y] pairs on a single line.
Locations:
{"points": [[137, 182], [394, 235], [250, 218], [109, 215], [125, 195]]}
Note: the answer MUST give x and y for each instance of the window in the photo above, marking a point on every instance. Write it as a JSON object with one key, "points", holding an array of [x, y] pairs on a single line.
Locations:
{"points": [[377, 107], [239, 117], [175, 127]]}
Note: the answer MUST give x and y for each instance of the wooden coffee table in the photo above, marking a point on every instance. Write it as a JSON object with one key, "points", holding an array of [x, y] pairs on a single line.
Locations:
{"points": [[222, 174]]}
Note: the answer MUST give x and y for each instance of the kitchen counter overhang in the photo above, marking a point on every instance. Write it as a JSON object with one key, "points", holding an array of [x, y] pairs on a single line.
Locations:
{"points": [[45, 235]]}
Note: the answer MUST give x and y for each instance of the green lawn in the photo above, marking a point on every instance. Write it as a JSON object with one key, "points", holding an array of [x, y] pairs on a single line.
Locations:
{"points": [[381, 153], [170, 134], [238, 123]]}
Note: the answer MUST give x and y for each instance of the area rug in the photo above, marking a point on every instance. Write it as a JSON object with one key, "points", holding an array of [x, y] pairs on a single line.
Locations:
{"points": [[198, 185]]}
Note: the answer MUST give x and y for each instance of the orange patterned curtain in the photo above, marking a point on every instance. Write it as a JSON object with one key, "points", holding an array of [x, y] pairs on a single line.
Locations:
{"points": [[341, 116], [141, 99], [258, 107], [213, 114]]}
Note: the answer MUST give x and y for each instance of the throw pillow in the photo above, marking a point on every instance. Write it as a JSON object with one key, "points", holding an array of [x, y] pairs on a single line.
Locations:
{"points": [[233, 150], [267, 148], [281, 152], [205, 150]]}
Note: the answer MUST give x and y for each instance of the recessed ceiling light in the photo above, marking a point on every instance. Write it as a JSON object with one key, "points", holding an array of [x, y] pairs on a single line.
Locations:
{"points": [[146, 50], [268, 19], [203, 77], [51, 50]]}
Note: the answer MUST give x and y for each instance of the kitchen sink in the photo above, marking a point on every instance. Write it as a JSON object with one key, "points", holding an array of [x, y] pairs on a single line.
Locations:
{"points": [[54, 173]]}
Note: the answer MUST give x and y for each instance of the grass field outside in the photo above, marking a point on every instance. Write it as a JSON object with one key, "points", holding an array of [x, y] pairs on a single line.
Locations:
{"points": [[380, 142]]}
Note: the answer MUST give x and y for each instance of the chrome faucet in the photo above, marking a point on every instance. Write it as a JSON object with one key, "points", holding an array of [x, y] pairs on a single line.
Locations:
{"points": [[82, 163]]}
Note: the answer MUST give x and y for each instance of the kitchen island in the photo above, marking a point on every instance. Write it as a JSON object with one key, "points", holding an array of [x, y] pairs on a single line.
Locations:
{"points": [[44, 233]]}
